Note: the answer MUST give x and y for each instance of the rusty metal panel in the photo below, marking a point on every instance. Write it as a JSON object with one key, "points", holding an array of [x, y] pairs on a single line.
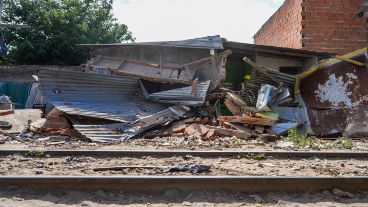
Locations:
{"points": [[335, 94]]}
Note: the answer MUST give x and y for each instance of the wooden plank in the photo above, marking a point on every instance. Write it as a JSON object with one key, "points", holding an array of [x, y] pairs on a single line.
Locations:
{"points": [[231, 132], [262, 70], [194, 87], [245, 119]]}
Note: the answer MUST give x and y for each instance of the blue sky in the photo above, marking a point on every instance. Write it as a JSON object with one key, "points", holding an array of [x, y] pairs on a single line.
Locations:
{"points": [[157, 20]]}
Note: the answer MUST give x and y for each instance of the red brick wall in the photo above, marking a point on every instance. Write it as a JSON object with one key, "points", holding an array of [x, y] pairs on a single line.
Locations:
{"points": [[283, 28], [329, 25], [323, 25]]}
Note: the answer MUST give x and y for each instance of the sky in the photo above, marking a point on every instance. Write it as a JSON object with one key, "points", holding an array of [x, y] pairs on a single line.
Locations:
{"points": [[165, 20]]}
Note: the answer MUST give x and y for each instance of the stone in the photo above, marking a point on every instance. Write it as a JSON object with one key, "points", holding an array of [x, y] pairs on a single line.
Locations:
{"points": [[202, 204], [23, 159], [100, 193], [326, 193], [342, 194], [285, 145], [39, 172], [172, 192], [268, 138], [87, 203], [187, 203], [270, 198], [256, 198], [267, 164]]}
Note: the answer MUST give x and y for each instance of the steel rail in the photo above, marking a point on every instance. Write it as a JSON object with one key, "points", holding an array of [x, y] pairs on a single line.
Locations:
{"points": [[170, 153], [156, 183]]}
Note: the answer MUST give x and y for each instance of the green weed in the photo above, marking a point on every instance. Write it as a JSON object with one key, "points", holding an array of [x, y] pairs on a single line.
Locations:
{"points": [[252, 155], [301, 140], [36, 153], [310, 141]]}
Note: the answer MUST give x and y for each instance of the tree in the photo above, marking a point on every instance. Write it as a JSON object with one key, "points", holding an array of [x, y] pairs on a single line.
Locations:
{"points": [[56, 27]]}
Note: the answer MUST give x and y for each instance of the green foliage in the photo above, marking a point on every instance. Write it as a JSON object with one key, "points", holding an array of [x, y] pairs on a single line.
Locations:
{"points": [[310, 141], [255, 156], [301, 140], [236, 142], [56, 26], [252, 155], [36, 153], [340, 143]]}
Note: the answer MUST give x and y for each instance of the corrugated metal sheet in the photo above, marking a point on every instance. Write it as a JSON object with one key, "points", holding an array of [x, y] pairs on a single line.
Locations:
{"points": [[24, 73], [253, 85], [144, 70], [243, 48], [209, 68], [209, 42], [95, 95], [125, 131], [182, 96], [107, 97], [107, 132]]}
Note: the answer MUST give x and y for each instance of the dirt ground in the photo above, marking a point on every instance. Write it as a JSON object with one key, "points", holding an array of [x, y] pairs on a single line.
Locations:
{"points": [[14, 197], [80, 165], [167, 143]]}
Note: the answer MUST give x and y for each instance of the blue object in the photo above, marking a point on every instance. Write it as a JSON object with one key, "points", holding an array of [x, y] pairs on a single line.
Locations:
{"points": [[282, 128]]}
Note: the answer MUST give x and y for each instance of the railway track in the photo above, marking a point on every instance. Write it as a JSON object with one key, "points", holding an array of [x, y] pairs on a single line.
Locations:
{"points": [[192, 182], [159, 153], [157, 183]]}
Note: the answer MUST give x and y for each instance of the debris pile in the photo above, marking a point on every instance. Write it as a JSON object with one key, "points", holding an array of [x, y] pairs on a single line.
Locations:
{"points": [[116, 96], [176, 89]]}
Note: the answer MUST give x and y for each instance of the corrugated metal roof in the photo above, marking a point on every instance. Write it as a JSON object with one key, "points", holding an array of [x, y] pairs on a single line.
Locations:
{"points": [[209, 42], [183, 96], [253, 85], [95, 95], [125, 131], [237, 47]]}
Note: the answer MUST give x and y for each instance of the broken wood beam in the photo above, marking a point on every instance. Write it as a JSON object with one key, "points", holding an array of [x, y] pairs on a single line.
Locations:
{"points": [[245, 119], [231, 132], [194, 87], [262, 70]]}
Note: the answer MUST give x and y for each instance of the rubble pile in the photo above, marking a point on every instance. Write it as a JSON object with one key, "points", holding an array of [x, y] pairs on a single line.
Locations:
{"points": [[176, 89]]}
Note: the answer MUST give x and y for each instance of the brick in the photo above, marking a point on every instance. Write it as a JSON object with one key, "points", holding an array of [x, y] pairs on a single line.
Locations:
{"points": [[328, 24]]}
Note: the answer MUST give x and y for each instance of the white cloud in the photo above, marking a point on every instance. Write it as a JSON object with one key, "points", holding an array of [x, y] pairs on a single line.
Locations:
{"points": [[156, 20]]}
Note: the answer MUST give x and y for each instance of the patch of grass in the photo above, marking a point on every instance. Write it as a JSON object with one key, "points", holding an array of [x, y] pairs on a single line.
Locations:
{"points": [[345, 143], [236, 143], [301, 140], [252, 155], [310, 141], [340, 143], [36, 153]]}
